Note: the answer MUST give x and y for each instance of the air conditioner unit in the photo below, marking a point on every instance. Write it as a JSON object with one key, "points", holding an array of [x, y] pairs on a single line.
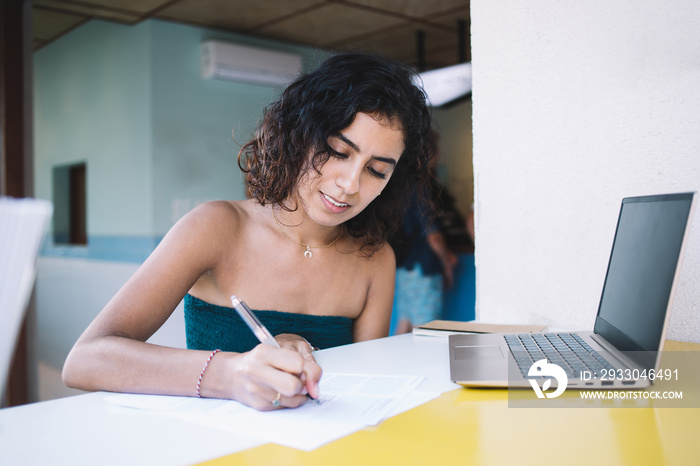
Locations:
{"points": [[233, 62]]}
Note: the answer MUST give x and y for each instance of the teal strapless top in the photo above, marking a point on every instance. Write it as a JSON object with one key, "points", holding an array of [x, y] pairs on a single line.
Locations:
{"points": [[208, 327]]}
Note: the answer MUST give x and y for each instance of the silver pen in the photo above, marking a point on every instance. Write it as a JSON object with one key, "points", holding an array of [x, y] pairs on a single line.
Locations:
{"points": [[257, 327], [259, 330]]}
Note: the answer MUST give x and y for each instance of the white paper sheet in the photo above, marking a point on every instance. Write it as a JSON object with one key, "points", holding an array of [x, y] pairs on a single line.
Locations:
{"points": [[349, 402]]}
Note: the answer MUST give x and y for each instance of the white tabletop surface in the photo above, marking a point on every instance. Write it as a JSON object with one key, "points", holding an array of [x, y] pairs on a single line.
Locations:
{"points": [[86, 430]]}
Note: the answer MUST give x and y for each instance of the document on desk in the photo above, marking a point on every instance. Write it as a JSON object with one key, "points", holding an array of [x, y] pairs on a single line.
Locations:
{"points": [[349, 402]]}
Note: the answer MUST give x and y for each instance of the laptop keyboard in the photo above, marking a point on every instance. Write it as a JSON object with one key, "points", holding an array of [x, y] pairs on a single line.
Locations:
{"points": [[567, 350]]}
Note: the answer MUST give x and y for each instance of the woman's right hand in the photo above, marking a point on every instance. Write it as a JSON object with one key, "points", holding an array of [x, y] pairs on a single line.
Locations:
{"points": [[255, 378]]}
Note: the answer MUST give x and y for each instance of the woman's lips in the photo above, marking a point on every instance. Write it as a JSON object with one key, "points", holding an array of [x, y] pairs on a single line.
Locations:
{"points": [[334, 205]]}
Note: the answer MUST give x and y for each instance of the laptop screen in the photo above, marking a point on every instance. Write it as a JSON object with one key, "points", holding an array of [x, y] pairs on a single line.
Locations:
{"points": [[640, 276]]}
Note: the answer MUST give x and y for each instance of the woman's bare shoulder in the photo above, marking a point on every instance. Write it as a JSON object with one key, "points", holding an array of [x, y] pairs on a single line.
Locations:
{"points": [[225, 208], [224, 214], [215, 220], [385, 257], [378, 262]]}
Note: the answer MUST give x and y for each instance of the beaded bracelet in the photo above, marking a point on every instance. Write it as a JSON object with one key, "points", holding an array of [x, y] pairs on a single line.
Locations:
{"points": [[201, 375]]}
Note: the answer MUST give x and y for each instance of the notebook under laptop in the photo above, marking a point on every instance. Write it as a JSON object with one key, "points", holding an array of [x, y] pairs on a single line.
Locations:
{"points": [[632, 315]]}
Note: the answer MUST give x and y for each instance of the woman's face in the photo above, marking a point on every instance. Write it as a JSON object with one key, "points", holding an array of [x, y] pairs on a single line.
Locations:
{"points": [[361, 163]]}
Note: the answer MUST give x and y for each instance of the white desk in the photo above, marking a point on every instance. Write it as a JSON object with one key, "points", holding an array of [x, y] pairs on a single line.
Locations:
{"points": [[87, 430], [462, 426]]}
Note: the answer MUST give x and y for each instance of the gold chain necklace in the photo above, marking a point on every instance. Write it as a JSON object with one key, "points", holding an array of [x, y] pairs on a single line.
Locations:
{"points": [[307, 252]]}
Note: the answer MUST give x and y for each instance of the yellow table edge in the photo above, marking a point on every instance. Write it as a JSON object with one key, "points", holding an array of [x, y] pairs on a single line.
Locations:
{"points": [[471, 419]]}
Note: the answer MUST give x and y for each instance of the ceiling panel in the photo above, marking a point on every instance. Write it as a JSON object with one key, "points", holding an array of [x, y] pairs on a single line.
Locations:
{"points": [[398, 43], [48, 24], [401, 44], [416, 9], [240, 15], [381, 26], [140, 6], [329, 24], [449, 20], [88, 10]]}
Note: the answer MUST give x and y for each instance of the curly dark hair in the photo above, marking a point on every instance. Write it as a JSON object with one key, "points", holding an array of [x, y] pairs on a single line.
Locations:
{"points": [[319, 105]]}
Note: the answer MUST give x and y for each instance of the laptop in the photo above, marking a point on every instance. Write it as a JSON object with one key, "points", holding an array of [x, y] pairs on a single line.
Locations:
{"points": [[632, 317]]}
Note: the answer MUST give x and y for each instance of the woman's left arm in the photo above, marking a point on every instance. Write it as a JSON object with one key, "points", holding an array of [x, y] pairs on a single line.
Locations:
{"points": [[375, 318]]}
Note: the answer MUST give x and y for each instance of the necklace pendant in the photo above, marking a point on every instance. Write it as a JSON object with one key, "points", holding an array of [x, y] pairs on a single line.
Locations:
{"points": [[307, 253]]}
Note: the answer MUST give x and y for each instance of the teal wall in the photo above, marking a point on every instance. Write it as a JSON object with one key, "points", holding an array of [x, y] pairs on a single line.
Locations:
{"points": [[157, 138], [199, 123], [92, 99]]}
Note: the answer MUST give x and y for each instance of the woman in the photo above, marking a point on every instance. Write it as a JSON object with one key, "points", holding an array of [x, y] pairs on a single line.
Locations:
{"points": [[328, 172]]}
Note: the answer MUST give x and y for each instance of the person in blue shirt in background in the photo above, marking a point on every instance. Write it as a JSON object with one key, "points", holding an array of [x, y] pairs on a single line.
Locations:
{"points": [[425, 264]]}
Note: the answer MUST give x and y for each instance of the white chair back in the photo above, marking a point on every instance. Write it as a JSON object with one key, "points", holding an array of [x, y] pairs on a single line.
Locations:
{"points": [[22, 226]]}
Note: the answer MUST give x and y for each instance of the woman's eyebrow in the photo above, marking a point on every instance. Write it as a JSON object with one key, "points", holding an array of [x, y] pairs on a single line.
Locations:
{"points": [[356, 148], [347, 141], [388, 160]]}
